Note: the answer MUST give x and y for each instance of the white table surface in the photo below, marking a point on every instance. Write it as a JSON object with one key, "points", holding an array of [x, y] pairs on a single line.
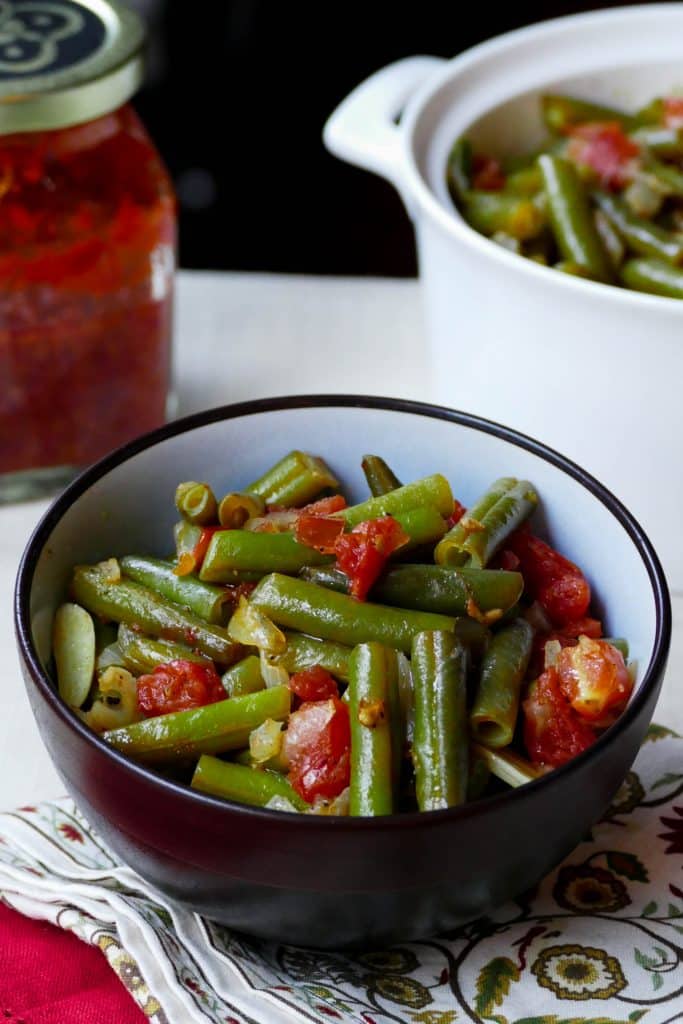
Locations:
{"points": [[242, 336]]}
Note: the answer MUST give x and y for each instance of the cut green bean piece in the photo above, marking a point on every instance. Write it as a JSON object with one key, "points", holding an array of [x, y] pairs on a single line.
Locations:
{"points": [[299, 605], [372, 677], [137, 606], [211, 729], [234, 509], [639, 234], [433, 588], [508, 766], [293, 481], [459, 169], [431, 490], [379, 476], [562, 112], [573, 269], [653, 276], [73, 645], [239, 550], [423, 525], [508, 513], [491, 212], [243, 785], [571, 217], [450, 550], [196, 503], [611, 239], [660, 140], [306, 651], [203, 599], [667, 177], [142, 654], [440, 741], [478, 777], [244, 677], [496, 704]]}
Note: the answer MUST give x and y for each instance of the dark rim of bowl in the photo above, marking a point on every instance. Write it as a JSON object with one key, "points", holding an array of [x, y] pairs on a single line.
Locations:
{"points": [[85, 480]]}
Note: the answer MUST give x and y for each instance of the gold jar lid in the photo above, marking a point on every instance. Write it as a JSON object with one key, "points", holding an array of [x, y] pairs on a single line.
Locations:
{"points": [[63, 62]]}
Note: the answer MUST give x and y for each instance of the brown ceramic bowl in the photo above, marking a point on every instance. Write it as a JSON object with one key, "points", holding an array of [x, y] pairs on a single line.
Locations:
{"points": [[323, 881]]}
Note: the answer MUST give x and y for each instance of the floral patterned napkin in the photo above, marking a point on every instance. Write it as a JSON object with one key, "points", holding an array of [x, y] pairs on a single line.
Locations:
{"points": [[599, 942]]}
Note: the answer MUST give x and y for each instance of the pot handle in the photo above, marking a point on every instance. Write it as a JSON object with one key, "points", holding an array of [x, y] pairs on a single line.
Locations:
{"points": [[363, 130]]}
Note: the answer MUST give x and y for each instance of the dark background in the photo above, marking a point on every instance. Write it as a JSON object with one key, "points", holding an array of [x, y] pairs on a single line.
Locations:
{"points": [[236, 97]]}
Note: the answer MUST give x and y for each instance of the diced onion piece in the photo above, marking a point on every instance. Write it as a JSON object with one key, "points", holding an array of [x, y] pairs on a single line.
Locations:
{"points": [[108, 656], [273, 522], [265, 741], [280, 803], [251, 627], [73, 643], [116, 702], [551, 652], [273, 675], [338, 807], [110, 569], [508, 766]]}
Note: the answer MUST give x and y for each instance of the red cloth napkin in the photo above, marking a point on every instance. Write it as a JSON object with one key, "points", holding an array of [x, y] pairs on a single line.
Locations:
{"points": [[48, 976]]}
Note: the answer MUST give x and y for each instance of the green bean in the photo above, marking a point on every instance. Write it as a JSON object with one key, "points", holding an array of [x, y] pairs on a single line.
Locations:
{"points": [[137, 606], [573, 269], [496, 704], [660, 140], [211, 729], [562, 112], [653, 276], [73, 645], [277, 763], [240, 550], [572, 218], [234, 509], [459, 169], [142, 654], [639, 234], [490, 212], [244, 785], [508, 513], [295, 480], [508, 766], [611, 240], [244, 677], [196, 503], [379, 476], [306, 651], [423, 525], [201, 598], [297, 604], [372, 677], [450, 551], [433, 588], [668, 177], [440, 743], [651, 114], [431, 490]]}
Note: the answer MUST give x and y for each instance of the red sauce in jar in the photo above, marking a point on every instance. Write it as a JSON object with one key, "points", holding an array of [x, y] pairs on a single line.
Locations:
{"points": [[87, 248]]}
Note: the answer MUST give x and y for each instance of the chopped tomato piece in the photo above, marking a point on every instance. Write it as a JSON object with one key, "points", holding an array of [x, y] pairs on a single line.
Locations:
{"points": [[362, 553], [317, 745], [673, 111], [202, 544], [326, 506], [567, 636], [606, 149], [318, 531], [487, 174], [235, 592], [177, 686], [553, 732], [313, 683], [507, 560], [594, 678], [456, 515], [557, 584]]}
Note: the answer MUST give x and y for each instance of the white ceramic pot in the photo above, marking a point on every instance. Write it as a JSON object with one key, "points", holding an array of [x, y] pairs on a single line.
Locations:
{"points": [[595, 370]]}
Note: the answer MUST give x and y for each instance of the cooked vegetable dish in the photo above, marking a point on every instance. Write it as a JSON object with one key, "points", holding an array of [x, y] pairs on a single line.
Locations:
{"points": [[602, 199], [302, 654]]}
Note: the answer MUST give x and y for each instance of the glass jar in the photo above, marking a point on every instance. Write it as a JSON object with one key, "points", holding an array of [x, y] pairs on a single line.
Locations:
{"points": [[87, 253]]}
